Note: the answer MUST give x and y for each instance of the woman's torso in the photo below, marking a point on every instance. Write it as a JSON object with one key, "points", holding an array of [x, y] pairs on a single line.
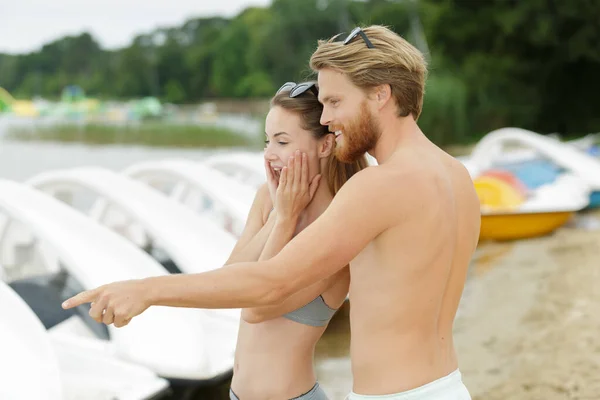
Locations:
{"points": [[274, 358]]}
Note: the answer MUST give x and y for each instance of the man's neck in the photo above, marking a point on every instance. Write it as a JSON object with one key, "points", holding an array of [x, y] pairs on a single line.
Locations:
{"points": [[395, 133]]}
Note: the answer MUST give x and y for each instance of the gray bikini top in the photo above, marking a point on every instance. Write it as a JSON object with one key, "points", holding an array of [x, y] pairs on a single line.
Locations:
{"points": [[315, 313]]}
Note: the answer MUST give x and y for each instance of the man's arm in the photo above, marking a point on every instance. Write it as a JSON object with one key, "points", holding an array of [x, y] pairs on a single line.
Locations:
{"points": [[359, 212], [281, 234], [299, 299]]}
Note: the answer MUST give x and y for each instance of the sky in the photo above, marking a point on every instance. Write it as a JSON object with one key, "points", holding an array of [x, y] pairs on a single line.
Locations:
{"points": [[26, 25]]}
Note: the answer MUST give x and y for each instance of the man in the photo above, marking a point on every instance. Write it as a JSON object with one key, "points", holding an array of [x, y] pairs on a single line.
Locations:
{"points": [[408, 228]]}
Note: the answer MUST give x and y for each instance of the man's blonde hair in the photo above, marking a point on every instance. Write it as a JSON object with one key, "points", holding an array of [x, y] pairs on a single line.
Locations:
{"points": [[392, 61]]}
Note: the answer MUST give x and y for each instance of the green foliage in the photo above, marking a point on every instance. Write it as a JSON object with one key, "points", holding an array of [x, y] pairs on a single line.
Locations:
{"points": [[493, 63], [174, 92], [526, 63], [147, 134], [445, 116]]}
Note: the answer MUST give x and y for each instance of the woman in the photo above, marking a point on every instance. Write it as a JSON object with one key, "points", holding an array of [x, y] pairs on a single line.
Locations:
{"points": [[275, 348]]}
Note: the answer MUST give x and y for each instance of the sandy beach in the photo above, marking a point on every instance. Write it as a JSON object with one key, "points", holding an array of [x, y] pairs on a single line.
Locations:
{"points": [[529, 327]]}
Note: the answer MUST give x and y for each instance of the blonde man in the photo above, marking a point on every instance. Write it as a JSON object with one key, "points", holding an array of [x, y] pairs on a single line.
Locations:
{"points": [[408, 228]]}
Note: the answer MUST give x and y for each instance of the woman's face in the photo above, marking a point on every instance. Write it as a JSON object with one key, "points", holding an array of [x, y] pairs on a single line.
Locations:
{"points": [[284, 135]]}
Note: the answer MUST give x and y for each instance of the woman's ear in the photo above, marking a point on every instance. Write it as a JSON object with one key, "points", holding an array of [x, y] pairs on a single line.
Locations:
{"points": [[326, 145]]}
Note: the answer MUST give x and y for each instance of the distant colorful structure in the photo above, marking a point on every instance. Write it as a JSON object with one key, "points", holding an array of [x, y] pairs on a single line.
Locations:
{"points": [[72, 94], [6, 100], [18, 107]]}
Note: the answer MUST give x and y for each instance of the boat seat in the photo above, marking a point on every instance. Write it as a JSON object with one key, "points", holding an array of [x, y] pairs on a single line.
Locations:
{"points": [[44, 294]]}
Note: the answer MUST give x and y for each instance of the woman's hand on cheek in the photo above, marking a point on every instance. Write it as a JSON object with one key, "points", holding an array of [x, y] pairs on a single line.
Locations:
{"points": [[294, 191]]}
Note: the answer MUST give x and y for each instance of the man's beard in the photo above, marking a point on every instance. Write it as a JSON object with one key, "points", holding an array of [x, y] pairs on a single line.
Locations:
{"points": [[359, 136]]}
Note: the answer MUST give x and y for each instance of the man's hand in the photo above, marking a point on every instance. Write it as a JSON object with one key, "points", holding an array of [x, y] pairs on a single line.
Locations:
{"points": [[116, 302]]}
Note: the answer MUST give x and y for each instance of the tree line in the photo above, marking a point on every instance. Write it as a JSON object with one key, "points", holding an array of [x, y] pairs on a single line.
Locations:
{"points": [[493, 63]]}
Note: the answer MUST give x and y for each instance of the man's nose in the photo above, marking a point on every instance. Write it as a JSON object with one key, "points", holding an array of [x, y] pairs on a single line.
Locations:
{"points": [[325, 117]]}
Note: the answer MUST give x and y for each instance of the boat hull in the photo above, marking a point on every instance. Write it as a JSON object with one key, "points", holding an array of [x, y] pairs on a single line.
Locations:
{"points": [[503, 227]]}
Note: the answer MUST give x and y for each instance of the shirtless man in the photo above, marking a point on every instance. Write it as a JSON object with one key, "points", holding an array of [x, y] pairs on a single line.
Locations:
{"points": [[408, 228]]}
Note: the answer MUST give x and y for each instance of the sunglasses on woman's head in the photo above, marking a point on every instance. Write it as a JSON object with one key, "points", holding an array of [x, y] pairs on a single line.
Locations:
{"points": [[296, 89]]}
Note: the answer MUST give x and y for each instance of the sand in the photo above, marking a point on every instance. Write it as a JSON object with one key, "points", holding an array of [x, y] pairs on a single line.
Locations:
{"points": [[529, 326]]}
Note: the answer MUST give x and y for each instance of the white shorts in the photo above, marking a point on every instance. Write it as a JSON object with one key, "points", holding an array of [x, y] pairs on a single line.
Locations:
{"points": [[449, 387]]}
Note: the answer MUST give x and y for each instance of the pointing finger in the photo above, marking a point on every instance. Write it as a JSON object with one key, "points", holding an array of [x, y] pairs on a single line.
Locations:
{"points": [[84, 297]]}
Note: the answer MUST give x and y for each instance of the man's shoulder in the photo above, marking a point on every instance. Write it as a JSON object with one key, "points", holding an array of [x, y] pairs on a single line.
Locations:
{"points": [[397, 174], [385, 177], [371, 177], [382, 186]]}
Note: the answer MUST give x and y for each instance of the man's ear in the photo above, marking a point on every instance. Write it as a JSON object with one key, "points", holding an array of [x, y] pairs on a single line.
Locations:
{"points": [[382, 94]]}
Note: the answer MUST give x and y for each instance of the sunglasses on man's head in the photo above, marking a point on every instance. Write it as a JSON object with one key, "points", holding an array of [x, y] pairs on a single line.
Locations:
{"points": [[357, 32], [296, 89]]}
